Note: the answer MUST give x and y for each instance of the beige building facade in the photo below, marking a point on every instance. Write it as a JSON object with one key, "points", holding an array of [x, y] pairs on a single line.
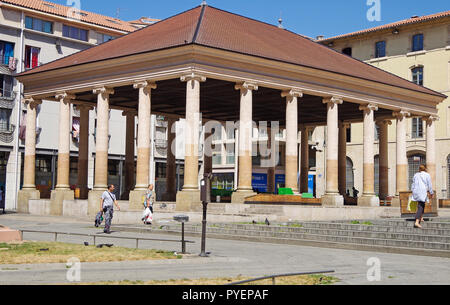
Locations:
{"points": [[417, 49], [33, 33]]}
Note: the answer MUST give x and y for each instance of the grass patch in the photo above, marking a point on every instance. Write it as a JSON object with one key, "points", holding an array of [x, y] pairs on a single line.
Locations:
{"points": [[366, 223], [293, 280], [37, 253]]}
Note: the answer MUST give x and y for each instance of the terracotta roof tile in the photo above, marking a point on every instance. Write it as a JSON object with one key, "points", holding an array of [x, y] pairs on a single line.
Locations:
{"points": [[391, 25], [223, 30], [61, 10]]}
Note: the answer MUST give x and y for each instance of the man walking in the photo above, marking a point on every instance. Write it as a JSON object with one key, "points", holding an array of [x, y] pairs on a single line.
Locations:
{"points": [[107, 206]]}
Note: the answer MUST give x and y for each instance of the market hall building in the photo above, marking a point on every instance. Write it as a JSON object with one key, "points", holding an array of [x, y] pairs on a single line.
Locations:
{"points": [[227, 68]]}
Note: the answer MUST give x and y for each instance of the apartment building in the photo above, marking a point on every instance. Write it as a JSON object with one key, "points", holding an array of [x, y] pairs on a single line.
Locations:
{"points": [[33, 33], [417, 49]]}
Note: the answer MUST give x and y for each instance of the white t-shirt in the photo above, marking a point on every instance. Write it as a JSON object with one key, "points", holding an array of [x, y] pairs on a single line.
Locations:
{"points": [[108, 199]]}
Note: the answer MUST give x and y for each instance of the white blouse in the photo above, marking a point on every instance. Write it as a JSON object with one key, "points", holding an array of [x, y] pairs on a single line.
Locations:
{"points": [[421, 185]]}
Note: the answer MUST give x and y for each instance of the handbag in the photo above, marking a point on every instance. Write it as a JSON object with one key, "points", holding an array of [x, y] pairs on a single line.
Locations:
{"points": [[412, 205]]}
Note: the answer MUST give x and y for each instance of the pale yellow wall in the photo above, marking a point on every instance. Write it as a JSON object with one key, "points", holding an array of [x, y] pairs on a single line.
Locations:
{"points": [[399, 60]]}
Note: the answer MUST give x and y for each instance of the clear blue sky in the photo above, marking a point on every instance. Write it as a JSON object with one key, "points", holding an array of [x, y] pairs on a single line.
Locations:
{"points": [[307, 17]]}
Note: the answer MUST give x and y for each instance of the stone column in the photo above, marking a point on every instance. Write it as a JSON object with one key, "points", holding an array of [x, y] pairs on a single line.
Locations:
{"points": [[402, 160], [292, 139], [384, 158], [342, 158], [101, 149], [130, 181], [431, 149], [29, 190], [271, 142], [368, 197], [332, 196], [304, 160], [143, 144], [62, 190], [171, 166], [83, 151], [245, 143], [189, 198]]}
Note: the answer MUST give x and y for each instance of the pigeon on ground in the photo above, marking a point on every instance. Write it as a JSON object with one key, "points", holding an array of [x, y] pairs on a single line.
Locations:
{"points": [[267, 222]]}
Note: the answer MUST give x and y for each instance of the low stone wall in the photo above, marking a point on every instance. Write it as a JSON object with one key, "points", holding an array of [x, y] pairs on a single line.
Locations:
{"points": [[39, 207], [225, 212]]}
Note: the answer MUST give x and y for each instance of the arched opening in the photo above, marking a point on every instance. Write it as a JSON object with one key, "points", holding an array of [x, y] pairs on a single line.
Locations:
{"points": [[414, 161], [349, 177]]}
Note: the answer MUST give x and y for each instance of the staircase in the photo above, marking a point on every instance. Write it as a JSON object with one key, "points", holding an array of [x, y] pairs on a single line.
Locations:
{"points": [[392, 236]]}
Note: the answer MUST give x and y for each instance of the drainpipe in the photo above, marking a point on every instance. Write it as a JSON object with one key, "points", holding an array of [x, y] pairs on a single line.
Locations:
{"points": [[19, 108]]}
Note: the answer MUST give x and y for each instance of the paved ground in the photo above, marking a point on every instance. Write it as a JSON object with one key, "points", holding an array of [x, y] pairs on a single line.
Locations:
{"points": [[228, 258]]}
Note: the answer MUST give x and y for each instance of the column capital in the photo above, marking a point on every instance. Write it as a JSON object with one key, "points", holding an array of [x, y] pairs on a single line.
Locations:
{"points": [[64, 97], [292, 93], [368, 107], [193, 76], [430, 119], [382, 122], [31, 101], [84, 107], [401, 114], [246, 86], [334, 100], [145, 85], [103, 90], [129, 112]]}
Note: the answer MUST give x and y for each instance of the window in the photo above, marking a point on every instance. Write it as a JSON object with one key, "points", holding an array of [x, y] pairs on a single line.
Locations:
{"points": [[417, 75], [417, 43], [31, 57], [377, 174], [6, 52], [448, 177], [75, 33], [107, 37], [5, 116], [38, 25], [349, 134], [380, 49], [377, 133], [347, 51], [6, 86], [417, 128]]}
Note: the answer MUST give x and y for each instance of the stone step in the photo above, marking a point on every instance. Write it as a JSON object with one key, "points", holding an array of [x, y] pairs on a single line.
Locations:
{"points": [[297, 233], [399, 243]]}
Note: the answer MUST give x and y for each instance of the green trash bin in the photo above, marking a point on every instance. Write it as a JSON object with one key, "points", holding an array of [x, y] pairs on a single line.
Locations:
{"points": [[285, 191]]}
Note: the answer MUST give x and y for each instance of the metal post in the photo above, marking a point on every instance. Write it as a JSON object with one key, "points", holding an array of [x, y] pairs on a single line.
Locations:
{"points": [[56, 236], [204, 192], [183, 243], [137, 243]]}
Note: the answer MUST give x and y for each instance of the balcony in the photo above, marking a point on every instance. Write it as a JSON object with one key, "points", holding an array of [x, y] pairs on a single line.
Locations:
{"points": [[7, 132], [7, 98], [9, 62]]}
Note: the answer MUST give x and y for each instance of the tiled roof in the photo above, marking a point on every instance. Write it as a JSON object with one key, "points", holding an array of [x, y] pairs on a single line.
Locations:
{"points": [[214, 28], [412, 20], [61, 10]]}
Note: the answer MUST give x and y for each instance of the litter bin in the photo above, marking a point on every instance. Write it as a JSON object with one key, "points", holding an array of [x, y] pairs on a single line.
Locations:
{"points": [[77, 193]]}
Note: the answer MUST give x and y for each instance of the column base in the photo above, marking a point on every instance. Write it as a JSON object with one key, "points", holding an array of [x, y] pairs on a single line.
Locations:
{"points": [[395, 201], [188, 201], [94, 199], [169, 197], [368, 201], [56, 200], [24, 196], [332, 200], [136, 200], [240, 196]]}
